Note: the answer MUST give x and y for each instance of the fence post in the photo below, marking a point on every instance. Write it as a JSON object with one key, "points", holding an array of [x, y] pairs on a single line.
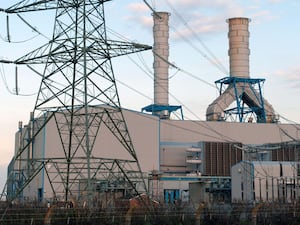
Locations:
{"points": [[198, 213]]}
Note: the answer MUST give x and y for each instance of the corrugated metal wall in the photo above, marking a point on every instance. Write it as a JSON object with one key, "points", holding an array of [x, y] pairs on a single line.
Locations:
{"points": [[287, 152], [219, 157]]}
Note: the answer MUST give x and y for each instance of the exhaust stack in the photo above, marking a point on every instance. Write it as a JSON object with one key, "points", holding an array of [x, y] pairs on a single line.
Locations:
{"points": [[240, 87], [161, 56], [239, 47], [161, 107]]}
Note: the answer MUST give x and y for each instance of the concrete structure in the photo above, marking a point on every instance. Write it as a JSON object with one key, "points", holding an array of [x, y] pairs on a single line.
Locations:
{"points": [[262, 181]]}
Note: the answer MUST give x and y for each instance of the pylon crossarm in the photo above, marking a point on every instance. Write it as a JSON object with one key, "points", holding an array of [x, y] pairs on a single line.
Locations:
{"points": [[27, 5], [118, 48], [38, 5], [61, 53]]}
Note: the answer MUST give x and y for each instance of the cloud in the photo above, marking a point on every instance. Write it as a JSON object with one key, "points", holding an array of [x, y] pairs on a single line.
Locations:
{"points": [[138, 7], [261, 16], [275, 1], [200, 17], [144, 21], [140, 14], [200, 26], [201, 3], [291, 77]]}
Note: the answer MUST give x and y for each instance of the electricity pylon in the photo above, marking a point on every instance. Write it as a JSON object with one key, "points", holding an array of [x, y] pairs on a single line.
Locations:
{"points": [[78, 94]]}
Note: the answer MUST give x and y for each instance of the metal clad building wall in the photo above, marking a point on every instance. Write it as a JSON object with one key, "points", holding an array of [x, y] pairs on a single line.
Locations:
{"points": [[286, 153], [173, 159], [219, 157], [47, 145], [254, 133]]}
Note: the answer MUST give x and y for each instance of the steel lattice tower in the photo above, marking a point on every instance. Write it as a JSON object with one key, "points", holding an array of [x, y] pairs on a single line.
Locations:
{"points": [[78, 91]]}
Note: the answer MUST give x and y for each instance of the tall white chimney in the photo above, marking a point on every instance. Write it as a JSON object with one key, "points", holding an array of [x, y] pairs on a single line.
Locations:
{"points": [[239, 47], [239, 85], [161, 56], [160, 106]]}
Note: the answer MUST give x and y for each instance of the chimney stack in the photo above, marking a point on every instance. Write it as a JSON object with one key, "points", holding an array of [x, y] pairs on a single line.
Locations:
{"points": [[161, 56], [243, 90], [239, 47], [161, 107]]}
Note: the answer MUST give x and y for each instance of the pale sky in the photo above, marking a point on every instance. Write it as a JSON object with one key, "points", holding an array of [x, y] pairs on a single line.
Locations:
{"points": [[198, 29]]}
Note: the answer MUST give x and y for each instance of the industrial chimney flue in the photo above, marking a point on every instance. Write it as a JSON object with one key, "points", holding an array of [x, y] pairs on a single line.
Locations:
{"points": [[239, 87], [239, 47], [161, 107]]}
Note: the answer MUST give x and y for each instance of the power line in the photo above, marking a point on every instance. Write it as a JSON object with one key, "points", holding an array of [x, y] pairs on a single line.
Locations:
{"points": [[32, 27], [215, 61], [184, 71], [149, 6]]}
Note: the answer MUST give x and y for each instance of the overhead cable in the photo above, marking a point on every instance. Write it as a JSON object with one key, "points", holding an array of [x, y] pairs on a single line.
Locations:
{"points": [[215, 60], [154, 12], [29, 25], [184, 71]]}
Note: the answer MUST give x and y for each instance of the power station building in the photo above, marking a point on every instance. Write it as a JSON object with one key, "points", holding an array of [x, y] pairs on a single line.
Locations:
{"points": [[174, 154], [179, 159]]}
